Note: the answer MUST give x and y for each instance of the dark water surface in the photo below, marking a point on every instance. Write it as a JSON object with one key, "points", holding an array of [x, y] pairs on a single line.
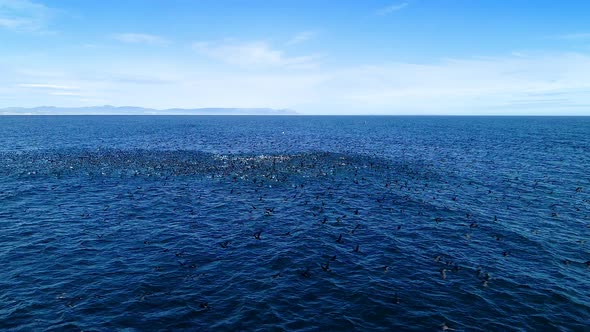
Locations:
{"points": [[232, 223]]}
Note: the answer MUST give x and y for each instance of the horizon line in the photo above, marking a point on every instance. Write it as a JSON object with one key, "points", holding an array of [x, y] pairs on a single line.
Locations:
{"points": [[110, 110]]}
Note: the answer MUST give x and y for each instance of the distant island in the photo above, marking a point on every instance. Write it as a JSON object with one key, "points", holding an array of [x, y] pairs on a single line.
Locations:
{"points": [[130, 110]]}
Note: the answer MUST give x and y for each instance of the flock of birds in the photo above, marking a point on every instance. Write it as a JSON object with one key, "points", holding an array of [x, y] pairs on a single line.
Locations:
{"points": [[314, 182]]}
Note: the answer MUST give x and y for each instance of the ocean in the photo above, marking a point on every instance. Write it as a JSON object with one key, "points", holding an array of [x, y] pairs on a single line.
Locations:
{"points": [[264, 223]]}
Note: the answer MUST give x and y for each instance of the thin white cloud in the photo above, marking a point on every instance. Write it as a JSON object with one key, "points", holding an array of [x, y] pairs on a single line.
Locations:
{"points": [[10, 23], [251, 54], [24, 15], [301, 38], [65, 93], [51, 92], [141, 38], [46, 86], [391, 8], [574, 36]]}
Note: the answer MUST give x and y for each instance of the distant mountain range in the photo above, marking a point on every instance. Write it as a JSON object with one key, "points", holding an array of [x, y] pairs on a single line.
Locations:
{"points": [[129, 110]]}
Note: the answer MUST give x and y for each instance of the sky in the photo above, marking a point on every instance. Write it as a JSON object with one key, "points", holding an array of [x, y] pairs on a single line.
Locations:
{"points": [[476, 57]]}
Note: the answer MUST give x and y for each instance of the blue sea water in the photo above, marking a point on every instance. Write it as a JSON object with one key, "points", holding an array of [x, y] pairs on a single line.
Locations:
{"points": [[294, 223]]}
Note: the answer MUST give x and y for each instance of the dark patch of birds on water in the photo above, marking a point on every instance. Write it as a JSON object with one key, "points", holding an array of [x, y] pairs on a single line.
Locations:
{"points": [[265, 172]]}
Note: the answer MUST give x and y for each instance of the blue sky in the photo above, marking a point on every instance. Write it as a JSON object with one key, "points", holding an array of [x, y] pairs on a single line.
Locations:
{"points": [[316, 57]]}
